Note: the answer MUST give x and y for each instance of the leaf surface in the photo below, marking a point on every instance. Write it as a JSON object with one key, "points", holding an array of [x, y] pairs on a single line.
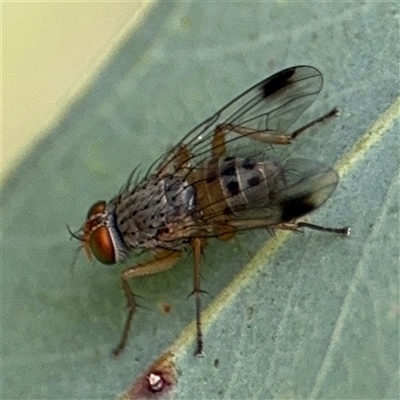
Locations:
{"points": [[296, 316]]}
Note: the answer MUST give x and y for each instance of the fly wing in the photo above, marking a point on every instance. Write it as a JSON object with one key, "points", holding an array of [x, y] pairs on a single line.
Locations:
{"points": [[309, 185], [302, 187], [272, 105]]}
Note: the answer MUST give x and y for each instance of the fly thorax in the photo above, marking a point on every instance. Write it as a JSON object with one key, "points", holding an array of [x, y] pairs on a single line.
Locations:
{"points": [[147, 211]]}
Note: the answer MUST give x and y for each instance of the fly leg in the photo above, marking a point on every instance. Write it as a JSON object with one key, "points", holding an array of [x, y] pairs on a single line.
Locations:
{"points": [[341, 231], [264, 136], [268, 136], [197, 244], [322, 118], [162, 262], [179, 160], [288, 226], [182, 159], [218, 143]]}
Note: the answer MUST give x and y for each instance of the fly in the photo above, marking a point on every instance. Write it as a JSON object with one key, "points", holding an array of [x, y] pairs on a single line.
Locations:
{"points": [[220, 179]]}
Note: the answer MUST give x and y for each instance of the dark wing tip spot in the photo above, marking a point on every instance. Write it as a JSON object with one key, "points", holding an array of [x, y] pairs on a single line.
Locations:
{"points": [[295, 208], [277, 82]]}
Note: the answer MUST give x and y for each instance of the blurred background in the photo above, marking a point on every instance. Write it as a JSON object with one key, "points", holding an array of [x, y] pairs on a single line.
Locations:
{"points": [[48, 55]]}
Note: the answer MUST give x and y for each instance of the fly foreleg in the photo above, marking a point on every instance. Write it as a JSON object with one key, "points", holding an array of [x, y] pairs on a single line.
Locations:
{"points": [[162, 262]]}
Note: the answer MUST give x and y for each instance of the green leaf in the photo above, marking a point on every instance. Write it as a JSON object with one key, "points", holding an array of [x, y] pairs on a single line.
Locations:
{"points": [[295, 316]]}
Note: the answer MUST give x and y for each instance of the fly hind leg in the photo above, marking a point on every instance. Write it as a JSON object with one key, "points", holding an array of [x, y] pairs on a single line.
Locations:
{"points": [[162, 262], [287, 226], [197, 245], [322, 118], [263, 136]]}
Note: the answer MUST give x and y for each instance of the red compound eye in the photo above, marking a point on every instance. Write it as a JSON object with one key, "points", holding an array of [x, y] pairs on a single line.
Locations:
{"points": [[97, 237], [102, 245]]}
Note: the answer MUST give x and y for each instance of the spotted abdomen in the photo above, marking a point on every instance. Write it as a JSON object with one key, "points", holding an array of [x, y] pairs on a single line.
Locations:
{"points": [[249, 184]]}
